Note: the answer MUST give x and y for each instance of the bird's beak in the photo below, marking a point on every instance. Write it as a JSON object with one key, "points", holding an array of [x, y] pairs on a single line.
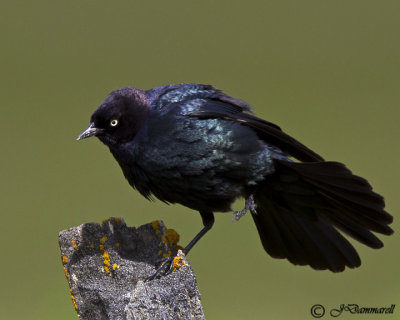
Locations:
{"points": [[89, 132]]}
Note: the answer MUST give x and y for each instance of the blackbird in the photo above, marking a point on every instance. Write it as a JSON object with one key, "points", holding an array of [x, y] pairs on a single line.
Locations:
{"points": [[195, 145]]}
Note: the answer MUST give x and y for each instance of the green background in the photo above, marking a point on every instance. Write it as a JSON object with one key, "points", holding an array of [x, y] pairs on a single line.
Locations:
{"points": [[327, 72]]}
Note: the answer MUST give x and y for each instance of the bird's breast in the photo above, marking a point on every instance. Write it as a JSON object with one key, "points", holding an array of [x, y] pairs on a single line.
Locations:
{"points": [[202, 164]]}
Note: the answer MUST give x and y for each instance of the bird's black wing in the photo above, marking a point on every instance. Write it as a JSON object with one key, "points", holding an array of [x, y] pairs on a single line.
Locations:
{"points": [[225, 107], [205, 101]]}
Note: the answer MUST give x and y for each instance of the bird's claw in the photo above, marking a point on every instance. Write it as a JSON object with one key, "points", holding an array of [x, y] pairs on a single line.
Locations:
{"points": [[164, 269], [249, 205], [168, 265], [238, 214]]}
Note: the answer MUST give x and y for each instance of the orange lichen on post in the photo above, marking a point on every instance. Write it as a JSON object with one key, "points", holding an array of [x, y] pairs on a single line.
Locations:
{"points": [[177, 263], [117, 220], [64, 259], [66, 273], [103, 240], [172, 236], [156, 226], [117, 245], [106, 262], [115, 267], [106, 256], [74, 244], [73, 300]]}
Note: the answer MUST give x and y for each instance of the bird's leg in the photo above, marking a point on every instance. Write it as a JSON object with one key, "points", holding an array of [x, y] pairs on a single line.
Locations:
{"points": [[249, 205], [167, 263], [208, 222]]}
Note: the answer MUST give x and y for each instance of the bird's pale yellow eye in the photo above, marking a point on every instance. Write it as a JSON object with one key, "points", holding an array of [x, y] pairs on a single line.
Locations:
{"points": [[113, 123]]}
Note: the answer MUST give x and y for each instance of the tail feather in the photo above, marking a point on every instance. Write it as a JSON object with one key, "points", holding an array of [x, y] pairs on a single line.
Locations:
{"points": [[354, 229], [368, 203], [344, 185], [377, 224], [336, 252], [301, 206]]}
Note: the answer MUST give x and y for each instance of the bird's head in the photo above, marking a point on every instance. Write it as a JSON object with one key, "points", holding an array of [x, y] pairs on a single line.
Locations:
{"points": [[119, 117]]}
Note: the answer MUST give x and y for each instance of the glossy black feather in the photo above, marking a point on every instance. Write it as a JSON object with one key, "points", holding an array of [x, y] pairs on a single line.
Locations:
{"points": [[267, 131]]}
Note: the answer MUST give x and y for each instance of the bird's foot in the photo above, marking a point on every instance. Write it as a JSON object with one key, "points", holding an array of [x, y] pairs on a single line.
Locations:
{"points": [[164, 268], [168, 265], [249, 205]]}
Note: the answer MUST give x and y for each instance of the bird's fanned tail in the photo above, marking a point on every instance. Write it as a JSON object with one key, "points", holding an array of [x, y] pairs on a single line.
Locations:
{"points": [[302, 205]]}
